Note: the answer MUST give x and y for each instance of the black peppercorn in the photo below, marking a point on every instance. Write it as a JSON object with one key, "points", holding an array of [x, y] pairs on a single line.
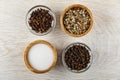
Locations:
{"points": [[77, 57]]}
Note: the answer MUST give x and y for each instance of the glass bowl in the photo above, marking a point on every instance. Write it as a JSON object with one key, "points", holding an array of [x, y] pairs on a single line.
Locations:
{"points": [[50, 12], [63, 59]]}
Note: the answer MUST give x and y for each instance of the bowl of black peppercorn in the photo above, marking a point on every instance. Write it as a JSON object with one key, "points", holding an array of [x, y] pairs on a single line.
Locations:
{"points": [[40, 20], [77, 57]]}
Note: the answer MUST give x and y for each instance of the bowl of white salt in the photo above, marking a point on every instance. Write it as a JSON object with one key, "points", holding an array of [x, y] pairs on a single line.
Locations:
{"points": [[40, 56]]}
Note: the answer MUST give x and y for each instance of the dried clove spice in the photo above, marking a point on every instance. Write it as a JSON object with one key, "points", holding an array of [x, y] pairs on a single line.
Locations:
{"points": [[77, 57], [77, 20], [40, 20]]}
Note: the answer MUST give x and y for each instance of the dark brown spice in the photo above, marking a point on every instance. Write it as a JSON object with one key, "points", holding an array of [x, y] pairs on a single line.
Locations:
{"points": [[77, 57], [40, 20]]}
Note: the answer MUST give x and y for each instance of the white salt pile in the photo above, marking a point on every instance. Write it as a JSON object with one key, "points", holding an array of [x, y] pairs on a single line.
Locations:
{"points": [[40, 56]]}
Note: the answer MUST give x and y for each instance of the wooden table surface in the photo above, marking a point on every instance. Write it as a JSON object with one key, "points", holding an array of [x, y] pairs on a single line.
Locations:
{"points": [[103, 39]]}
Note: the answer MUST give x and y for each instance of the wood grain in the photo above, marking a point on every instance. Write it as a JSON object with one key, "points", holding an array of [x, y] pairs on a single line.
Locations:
{"points": [[26, 52], [103, 39]]}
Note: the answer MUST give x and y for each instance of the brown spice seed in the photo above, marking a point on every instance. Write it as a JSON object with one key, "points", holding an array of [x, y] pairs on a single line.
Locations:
{"points": [[77, 57], [40, 20]]}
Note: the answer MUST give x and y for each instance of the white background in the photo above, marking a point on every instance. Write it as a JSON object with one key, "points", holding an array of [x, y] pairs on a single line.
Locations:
{"points": [[103, 39]]}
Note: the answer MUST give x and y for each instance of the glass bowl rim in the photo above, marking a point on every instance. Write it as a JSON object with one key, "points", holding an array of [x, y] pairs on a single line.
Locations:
{"points": [[52, 14], [70, 45]]}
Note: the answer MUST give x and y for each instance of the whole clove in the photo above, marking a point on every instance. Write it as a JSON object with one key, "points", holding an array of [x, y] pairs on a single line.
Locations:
{"points": [[40, 20]]}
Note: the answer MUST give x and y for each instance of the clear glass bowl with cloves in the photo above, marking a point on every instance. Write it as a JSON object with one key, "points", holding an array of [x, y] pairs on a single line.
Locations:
{"points": [[77, 57], [40, 20]]}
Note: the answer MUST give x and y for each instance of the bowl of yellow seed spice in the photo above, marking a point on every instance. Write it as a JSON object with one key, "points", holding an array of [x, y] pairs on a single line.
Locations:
{"points": [[76, 20]]}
